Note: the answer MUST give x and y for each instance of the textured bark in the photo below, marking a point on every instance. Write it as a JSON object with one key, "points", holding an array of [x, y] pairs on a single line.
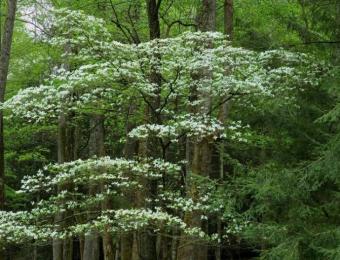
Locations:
{"points": [[92, 241], [153, 18], [109, 251], [128, 247], [6, 44], [91, 246], [224, 112], [63, 249], [228, 18], [81, 247], [68, 249], [200, 165], [58, 243], [336, 53], [146, 240], [207, 16]]}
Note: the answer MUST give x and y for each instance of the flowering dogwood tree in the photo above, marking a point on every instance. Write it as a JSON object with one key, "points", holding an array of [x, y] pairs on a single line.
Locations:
{"points": [[102, 76]]}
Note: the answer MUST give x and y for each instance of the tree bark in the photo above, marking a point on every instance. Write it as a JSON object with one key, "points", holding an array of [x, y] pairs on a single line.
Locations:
{"points": [[223, 112], [228, 18], [207, 16], [153, 18], [200, 163], [6, 44], [336, 54], [92, 241], [146, 240], [63, 249], [128, 246]]}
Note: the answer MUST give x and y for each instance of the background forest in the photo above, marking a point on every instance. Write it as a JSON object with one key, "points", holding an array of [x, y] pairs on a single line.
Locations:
{"points": [[170, 129]]}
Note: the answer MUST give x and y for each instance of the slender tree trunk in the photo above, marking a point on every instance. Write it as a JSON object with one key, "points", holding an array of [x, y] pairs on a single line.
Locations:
{"points": [[81, 247], [224, 110], [228, 18], [207, 16], [153, 18], [92, 241], [336, 53], [91, 246], [6, 44], [63, 249], [146, 239], [201, 152], [71, 155], [128, 247], [108, 246], [58, 243], [67, 151]]}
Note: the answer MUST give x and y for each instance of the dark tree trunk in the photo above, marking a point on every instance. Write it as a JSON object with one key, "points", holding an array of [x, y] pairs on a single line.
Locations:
{"points": [[6, 43], [207, 16], [336, 53], [128, 247], [63, 249], [147, 239], [223, 113], [200, 162], [153, 18], [92, 241], [228, 18]]}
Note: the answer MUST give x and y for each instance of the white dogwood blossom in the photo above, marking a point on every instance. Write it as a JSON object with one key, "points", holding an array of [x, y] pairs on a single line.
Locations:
{"points": [[105, 70]]}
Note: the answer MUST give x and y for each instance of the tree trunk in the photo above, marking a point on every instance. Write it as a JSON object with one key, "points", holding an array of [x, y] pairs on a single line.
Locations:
{"points": [[58, 243], [224, 111], [336, 53], [228, 18], [6, 44], [207, 16], [63, 249], [91, 240], [146, 239], [96, 148], [91, 245], [99, 136], [153, 18], [128, 247], [201, 152]]}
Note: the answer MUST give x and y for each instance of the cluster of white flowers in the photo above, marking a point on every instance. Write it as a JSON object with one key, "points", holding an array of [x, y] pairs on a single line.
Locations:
{"points": [[113, 178], [116, 173], [196, 127], [19, 227], [190, 125], [104, 71]]}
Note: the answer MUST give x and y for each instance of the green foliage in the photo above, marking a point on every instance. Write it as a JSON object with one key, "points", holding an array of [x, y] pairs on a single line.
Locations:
{"points": [[280, 191]]}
